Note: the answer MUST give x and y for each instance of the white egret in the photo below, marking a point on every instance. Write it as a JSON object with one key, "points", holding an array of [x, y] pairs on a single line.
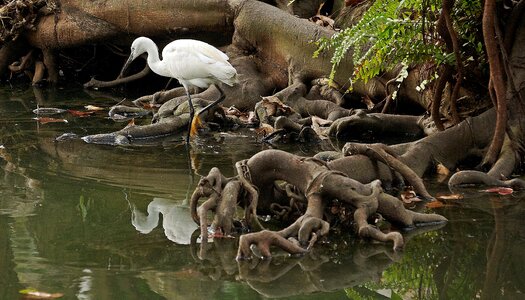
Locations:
{"points": [[193, 63]]}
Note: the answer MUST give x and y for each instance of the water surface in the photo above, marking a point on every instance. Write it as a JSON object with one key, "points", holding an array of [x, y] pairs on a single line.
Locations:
{"points": [[102, 222]]}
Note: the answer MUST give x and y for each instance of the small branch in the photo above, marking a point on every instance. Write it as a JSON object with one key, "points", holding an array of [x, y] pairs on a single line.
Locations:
{"points": [[93, 83], [245, 179]]}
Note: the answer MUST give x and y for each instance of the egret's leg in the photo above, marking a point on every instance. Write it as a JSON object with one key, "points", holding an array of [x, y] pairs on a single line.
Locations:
{"points": [[192, 113], [167, 84], [221, 98]]}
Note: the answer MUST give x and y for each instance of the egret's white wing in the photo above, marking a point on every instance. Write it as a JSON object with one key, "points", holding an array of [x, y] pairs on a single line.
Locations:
{"points": [[197, 63]]}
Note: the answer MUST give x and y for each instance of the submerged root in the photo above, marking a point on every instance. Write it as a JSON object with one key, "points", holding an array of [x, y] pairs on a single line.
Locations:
{"points": [[264, 240]]}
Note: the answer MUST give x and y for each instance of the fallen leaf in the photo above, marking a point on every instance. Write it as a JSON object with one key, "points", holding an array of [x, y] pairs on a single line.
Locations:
{"points": [[434, 204], [148, 105], [244, 117], [232, 110], [500, 190], [44, 120], [34, 294], [319, 126], [442, 170], [48, 111], [264, 130], [131, 123], [80, 114], [275, 107], [335, 209], [409, 198], [449, 197], [93, 107], [321, 122], [249, 119]]}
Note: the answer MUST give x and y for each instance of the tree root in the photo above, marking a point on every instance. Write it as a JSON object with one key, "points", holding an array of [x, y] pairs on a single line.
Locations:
{"points": [[383, 154], [308, 228], [471, 177], [9, 52], [392, 209], [161, 97], [173, 121], [209, 186], [368, 231], [133, 134], [35, 65], [121, 112], [369, 126]]}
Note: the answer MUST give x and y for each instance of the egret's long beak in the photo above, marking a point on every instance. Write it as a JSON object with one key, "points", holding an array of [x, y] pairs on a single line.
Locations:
{"points": [[126, 65]]}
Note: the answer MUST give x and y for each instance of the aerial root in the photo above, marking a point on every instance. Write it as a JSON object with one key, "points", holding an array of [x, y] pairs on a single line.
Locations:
{"points": [[225, 212], [245, 178], [280, 211], [209, 186], [202, 212]]}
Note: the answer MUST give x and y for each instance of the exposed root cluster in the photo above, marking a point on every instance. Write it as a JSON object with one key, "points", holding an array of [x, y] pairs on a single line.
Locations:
{"points": [[309, 181]]}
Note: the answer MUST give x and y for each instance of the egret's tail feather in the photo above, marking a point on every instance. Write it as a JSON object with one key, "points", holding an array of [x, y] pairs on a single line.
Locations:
{"points": [[196, 123]]}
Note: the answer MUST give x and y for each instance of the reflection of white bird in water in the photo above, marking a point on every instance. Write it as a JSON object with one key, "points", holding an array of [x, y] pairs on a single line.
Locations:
{"points": [[193, 63], [176, 220]]}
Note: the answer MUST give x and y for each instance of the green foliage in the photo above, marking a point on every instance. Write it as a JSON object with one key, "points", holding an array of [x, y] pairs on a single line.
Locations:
{"points": [[84, 206], [363, 293], [393, 32], [431, 272]]}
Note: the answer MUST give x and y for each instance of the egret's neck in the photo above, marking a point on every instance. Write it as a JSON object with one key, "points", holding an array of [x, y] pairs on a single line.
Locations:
{"points": [[154, 62], [145, 224]]}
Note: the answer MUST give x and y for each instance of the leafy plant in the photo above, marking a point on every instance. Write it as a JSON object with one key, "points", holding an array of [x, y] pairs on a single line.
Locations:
{"points": [[393, 32]]}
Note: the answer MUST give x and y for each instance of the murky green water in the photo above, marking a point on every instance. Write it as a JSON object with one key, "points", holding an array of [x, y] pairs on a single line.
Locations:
{"points": [[99, 222]]}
